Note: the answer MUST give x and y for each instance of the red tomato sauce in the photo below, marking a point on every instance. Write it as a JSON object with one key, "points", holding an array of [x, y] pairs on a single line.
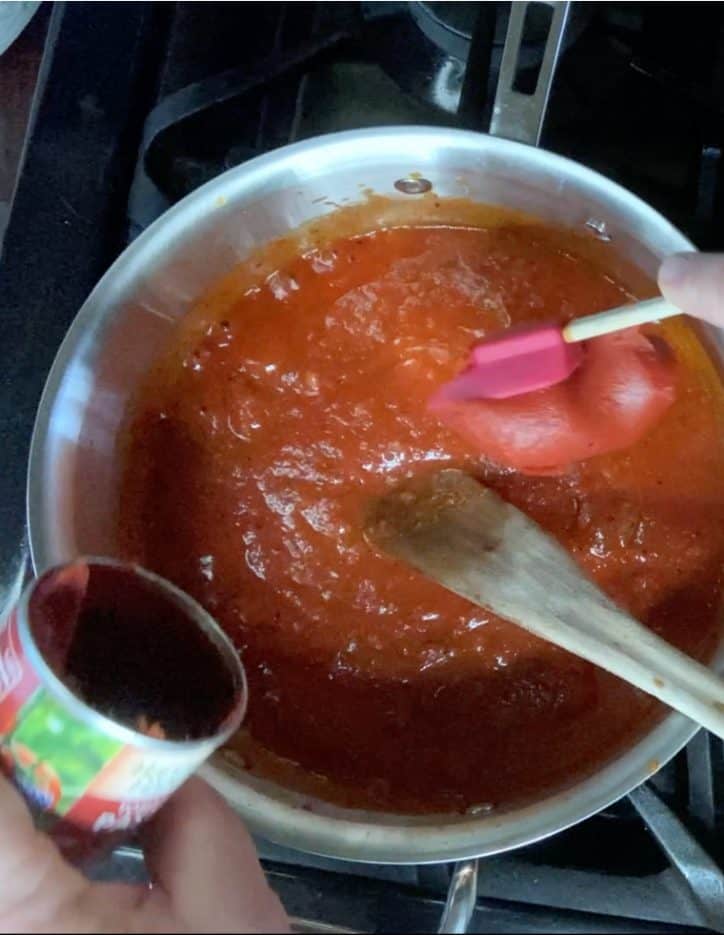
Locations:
{"points": [[283, 406]]}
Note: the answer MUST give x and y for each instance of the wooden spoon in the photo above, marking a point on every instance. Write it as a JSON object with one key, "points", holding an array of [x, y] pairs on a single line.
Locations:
{"points": [[464, 536]]}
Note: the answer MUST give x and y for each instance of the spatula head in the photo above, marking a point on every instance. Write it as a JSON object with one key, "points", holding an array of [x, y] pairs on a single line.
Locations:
{"points": [[521, 361]]}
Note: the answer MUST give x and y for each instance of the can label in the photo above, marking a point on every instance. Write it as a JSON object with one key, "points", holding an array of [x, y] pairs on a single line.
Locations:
{"points": [[68, 766]]}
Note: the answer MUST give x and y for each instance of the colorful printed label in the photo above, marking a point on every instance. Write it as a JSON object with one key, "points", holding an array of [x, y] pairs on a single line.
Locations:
{"points": [[69, 766]]}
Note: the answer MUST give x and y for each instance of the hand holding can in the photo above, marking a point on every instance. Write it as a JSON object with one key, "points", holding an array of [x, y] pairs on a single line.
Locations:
{"points": [[114, 687]]}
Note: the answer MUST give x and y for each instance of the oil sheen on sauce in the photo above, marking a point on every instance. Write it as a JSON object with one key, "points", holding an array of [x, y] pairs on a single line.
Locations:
{"points": [[286, 401]]}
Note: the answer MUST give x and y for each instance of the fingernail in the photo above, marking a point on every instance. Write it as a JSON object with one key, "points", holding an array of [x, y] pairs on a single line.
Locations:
{"points": [[675, 269]]}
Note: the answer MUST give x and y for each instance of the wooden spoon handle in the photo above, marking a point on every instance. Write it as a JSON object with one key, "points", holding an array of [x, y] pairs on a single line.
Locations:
{"points": [[464, 536], [640, 657], [586, 623]]}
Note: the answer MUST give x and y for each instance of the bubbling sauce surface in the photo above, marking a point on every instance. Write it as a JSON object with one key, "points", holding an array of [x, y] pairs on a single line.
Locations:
{"points": [[283, 405]]}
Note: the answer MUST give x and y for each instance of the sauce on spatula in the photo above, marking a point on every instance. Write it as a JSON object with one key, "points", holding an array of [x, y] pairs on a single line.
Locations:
{"points": [[623, 386]]}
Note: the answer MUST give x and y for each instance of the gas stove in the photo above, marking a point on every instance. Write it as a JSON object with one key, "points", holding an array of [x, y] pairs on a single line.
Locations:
{"points": [[140, 103]]}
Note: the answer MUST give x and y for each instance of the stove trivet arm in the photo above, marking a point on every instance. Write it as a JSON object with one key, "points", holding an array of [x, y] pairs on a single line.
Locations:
{"points": [[703, 876], [517, 115], [146, 201]]}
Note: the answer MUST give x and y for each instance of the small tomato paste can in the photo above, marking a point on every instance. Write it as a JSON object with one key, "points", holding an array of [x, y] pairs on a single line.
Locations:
{"points": [[114, 687]]}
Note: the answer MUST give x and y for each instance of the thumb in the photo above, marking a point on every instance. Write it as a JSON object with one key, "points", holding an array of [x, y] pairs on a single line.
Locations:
{"points": [[202, 857], [695, 283]]}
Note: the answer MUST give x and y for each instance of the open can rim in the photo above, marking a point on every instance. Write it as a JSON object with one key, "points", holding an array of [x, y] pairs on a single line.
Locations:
{"points": [[89, 715]]}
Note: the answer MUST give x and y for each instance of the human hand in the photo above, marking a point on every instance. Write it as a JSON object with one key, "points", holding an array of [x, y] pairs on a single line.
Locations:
{"points": [[205, 872], [694, 282]]}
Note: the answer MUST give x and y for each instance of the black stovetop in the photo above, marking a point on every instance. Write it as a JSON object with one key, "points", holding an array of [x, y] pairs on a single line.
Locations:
{"points": [[140, 103]]}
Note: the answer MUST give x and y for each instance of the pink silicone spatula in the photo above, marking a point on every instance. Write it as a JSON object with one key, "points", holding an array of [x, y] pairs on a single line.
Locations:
{"points": [[526, 359]]}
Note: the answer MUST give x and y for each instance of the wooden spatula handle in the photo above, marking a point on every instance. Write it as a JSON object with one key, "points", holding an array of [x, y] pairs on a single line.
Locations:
{"points": [[464, 536], [591, 627], [642, 658]]}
